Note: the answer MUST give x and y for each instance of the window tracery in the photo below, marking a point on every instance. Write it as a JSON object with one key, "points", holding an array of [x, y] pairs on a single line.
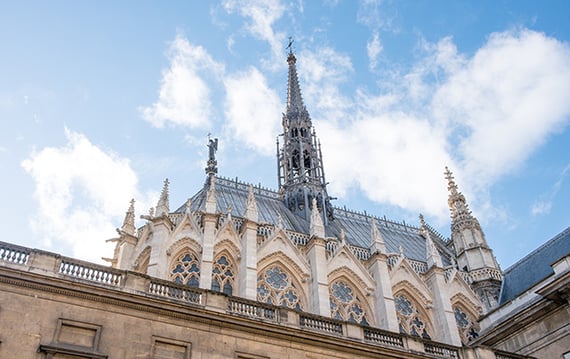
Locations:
{"points": [[274, 286], [468, 327], [186, 270], [223, 275], [345, 305], [409, 318]]}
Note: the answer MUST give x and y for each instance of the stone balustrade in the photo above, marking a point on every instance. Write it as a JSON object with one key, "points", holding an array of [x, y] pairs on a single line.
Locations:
{"points": [[13, 257]]}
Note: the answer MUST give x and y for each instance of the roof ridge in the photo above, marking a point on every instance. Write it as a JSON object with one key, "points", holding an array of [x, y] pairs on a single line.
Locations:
{"points": [[549, 243]]}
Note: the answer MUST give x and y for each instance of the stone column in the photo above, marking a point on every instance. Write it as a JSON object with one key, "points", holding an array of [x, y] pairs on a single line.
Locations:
{"points": [[384, 308], [248, 264], [210, 221], [319, 286], [445, 326]]}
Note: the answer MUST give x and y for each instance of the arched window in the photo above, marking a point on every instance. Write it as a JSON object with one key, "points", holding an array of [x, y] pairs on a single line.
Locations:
{"points": [[409, 318], [274, 286], [468, 327], [186, 269], [345, 305], [223, 275]]}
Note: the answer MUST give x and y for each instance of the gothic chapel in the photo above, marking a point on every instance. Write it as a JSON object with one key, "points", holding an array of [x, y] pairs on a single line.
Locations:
{"points": [[292, 248]]}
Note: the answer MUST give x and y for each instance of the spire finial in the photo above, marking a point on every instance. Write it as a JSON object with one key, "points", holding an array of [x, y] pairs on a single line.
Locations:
{"points": [[251, 211], [188, 210], [129, 222], [290, 45], [376, 239], [163, 205], [451, 186]]}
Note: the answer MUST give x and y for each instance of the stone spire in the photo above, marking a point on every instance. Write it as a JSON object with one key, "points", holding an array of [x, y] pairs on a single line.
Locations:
{"points": [[163, 206], [300, 167], [461, 216], [251, 211], [317, 227], [128, 226], [433, 258], [471, 249]]}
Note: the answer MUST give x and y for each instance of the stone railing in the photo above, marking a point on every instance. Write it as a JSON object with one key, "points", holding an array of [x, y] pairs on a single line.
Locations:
{"points": [[13, 253], [321, 324], [298, 239], [383, 337], [417, 266], [37, 265], [175, 291], [90, 272], [252, 309], [504, 355], [361, 253], [441, 350]]}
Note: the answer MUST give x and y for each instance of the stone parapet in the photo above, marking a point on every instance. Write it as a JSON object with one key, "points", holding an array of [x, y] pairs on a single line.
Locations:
{"points": [[31, 268]]}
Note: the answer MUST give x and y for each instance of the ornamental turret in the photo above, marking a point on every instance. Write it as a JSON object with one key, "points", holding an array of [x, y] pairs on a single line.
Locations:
{"points": [[301, 175], [472, 252]]}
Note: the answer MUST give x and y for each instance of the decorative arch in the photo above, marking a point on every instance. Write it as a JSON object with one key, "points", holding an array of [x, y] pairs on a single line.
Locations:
{"points": [[465, 318], [185, 267], [182, 243], [224, 274], [229, 246], [141, 263], [348, 303], [277, 285], [412, 318]]}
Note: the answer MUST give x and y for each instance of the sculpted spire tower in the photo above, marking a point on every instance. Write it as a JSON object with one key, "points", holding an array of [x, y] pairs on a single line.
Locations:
{"points": [[300, 166], [473, 254]]}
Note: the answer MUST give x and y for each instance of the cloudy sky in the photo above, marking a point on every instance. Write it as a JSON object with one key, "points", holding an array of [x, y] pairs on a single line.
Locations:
{"points": [[100, 101]]}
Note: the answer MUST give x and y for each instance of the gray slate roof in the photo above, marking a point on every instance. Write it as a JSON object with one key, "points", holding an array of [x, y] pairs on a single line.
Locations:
{"points": [[535, 267], [356, 225]]}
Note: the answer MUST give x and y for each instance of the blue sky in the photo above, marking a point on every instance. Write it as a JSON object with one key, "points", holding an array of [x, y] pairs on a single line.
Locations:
{"points": [[100, 101]]}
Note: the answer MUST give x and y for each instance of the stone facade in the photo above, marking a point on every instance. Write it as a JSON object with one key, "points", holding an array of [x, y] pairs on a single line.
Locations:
{"points": [[58, 307], [240, 271]]}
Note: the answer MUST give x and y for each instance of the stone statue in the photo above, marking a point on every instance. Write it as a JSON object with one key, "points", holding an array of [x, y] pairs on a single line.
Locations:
{"points": [[213, 147]]}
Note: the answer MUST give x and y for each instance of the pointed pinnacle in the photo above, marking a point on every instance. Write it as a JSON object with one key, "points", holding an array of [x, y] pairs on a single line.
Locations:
{"points": [[129, 222]]}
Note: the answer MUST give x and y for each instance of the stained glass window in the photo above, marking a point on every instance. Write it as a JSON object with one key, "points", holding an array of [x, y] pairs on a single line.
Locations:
{"points": [[274, 286], [186, 270], [468, 328], [223, 275], [345, 305], [409, 318]]}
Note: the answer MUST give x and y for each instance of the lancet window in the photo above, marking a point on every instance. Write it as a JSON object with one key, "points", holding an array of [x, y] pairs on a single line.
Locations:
{"points": [[468, 327], [274, 286], [409, 318], [186, 269], [223, 278], [345, 305]]}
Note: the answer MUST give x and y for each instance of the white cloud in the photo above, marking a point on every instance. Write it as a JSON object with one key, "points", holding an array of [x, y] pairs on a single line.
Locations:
{"points": [[322, 72], [184, 96], [544, 204], [506, 100], [262, 15], [252, 110], [482, 115], [82, 193], [374, 48]]}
